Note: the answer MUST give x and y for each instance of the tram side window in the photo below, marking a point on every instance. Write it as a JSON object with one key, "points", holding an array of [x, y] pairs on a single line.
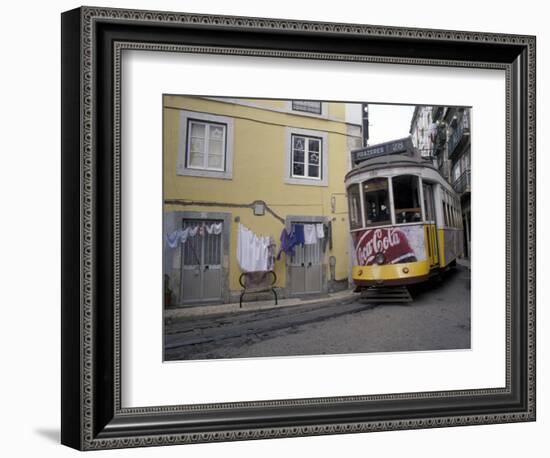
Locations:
{"points": [[428, 202], [377, 202], [354, 204], [406, 199]]}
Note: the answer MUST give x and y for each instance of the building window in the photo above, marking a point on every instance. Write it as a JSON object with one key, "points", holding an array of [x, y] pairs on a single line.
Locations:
{"points": [[206, 145], [306, 157], [307, 106]]}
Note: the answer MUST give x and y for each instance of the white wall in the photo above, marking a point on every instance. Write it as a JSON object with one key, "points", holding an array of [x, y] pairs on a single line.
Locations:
{"points": [[30, 241]]}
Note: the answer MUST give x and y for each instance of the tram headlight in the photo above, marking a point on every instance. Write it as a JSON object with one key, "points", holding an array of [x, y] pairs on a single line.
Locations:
{"points": [[380, 258]]}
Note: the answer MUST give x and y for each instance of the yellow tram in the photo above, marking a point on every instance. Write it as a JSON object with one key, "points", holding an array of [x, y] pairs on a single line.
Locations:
{"points": [[405, 218]]}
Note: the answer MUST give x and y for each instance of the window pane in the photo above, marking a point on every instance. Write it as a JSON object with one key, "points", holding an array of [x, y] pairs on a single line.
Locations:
{"points": [[197, 145], [215, 147], [406, 200], [313, 144], [216, 132], [354, 206], [298, 156], [196, 159], [313, 171], [215, 161], [298, 143], [313, 158], [197, 130], [298, 169], [377, 210]]}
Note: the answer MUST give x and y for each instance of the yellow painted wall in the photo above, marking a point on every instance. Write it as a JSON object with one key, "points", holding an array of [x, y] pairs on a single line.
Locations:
{"points": [[259, 171]]}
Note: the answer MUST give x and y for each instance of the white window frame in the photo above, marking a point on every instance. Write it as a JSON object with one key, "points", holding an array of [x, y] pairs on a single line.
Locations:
{"points": [[306, 158], [293, 102], [206, 152], [300, 180], [324, 109], [182, 168]]}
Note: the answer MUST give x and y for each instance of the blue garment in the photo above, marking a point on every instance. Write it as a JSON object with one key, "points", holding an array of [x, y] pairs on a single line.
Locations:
{"points": [[298, 230], [291, 239]]}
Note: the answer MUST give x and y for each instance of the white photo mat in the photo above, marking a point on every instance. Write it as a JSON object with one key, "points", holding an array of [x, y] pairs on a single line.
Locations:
{"points": [[147, 381]]}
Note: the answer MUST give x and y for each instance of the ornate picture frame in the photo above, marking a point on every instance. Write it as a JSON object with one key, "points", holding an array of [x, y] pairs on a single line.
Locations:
{"points": [[92, 413]]}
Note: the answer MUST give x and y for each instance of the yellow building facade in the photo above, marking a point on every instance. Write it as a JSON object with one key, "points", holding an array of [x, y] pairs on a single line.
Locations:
{"points": [[265, 164]]}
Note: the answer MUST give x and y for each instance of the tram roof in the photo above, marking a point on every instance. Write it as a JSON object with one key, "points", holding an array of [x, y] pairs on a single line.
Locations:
{"points": [[400, 152]]}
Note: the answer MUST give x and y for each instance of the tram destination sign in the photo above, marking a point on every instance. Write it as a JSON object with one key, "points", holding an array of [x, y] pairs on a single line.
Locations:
{"points": [[400, 146]]}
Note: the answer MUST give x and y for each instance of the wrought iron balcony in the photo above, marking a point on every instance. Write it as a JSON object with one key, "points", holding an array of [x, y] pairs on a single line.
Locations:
{"points": [[462, 184], [439, 139], [460, 135], [437, 113]]}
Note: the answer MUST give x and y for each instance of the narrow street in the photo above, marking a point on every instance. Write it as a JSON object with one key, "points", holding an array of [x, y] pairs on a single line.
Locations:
{"points": [[437, 319]]}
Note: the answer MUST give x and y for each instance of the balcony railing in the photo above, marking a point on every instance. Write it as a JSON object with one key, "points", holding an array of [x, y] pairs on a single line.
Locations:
{"points": [[437, 112], [439, 139], [462, 184], [461, 132]]}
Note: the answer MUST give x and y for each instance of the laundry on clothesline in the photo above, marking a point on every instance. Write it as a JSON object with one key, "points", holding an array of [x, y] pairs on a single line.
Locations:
{"points": [[288, 242], [300, 234], [313, 233], [310, 234], [179, 236], [320, 228], [254, 253]]}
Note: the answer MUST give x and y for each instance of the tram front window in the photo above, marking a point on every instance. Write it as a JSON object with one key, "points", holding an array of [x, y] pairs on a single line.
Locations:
{"points": [[377, 206], [406, 199]]}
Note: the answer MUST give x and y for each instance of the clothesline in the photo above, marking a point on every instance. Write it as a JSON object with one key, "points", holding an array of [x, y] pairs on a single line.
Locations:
{"points": [[254, 252], [300, 234], [174, 238]]}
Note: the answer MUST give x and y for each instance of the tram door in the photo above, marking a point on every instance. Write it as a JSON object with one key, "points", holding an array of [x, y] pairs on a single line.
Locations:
{"points": [[431, 228], [305, 269], [201, 259]]}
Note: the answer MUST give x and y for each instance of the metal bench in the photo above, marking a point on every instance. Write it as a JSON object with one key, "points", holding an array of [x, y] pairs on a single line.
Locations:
{"points": [[257, 282]]}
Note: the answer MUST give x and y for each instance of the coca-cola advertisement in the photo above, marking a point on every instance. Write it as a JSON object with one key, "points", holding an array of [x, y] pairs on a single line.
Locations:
{"points": [[398, 245]]}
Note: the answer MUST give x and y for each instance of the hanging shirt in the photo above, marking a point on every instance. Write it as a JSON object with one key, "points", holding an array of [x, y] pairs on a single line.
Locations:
{"points": [[176, 237], [271, 254], [214, 228], [320, 231], [289, 240], [252, 250], [310, 234], [243, 241], [173, 239], [298, 230]]}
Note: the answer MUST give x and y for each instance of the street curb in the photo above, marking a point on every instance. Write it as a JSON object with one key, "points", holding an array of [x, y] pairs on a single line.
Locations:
{"points": [[212, 310]]}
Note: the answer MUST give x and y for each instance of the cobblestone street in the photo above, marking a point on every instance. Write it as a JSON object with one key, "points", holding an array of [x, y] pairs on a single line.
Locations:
{"points": [[437, 319]]}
